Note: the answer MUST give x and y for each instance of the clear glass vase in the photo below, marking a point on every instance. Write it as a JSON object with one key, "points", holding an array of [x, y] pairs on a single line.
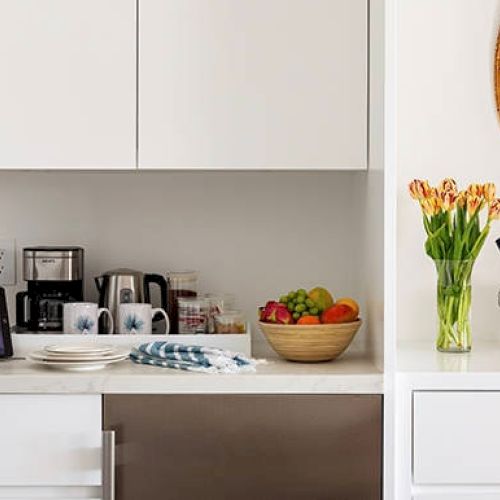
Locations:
{"points": [[453, 305]]}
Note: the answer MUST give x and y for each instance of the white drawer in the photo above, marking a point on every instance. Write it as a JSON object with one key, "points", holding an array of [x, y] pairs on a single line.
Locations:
{"points": [[458, 496], [49, 440], [456, 438]]}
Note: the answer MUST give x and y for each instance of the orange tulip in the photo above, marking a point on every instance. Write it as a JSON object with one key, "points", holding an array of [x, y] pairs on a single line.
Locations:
{"points": [[419, 189], [413, 188], [489, 191], [473, 204], [494, 210]]}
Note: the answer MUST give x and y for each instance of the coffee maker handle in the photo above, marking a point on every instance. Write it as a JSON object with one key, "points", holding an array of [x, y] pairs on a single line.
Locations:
{"points": [[161, 282], [21, 299]]}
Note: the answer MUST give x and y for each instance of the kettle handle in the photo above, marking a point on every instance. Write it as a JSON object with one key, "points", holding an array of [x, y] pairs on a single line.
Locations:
{"points": [[159, 280], [99, 280]]}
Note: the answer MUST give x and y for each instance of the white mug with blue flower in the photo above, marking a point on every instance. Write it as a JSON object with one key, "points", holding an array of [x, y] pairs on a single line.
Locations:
{"points": [[83, 318], [137, 318]]}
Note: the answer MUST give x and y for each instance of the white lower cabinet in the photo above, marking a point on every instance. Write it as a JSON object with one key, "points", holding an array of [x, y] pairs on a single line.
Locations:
{"points": [[51, 446]]}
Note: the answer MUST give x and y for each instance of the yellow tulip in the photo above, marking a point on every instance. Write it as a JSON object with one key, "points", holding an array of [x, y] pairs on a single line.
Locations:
{"points": [[489, 191], [447, 185], [432, 206], [494, 210], [473, 204], [462, 199], [448, 200], [475, 190]]}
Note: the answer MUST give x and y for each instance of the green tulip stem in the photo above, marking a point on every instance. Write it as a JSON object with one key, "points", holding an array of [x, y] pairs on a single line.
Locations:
{"points": [[454, 303]]}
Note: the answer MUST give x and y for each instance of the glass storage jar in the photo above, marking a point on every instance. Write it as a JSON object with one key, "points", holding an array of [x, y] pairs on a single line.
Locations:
{"points": [[180, 284], [192, 315], [217, 304], [230, 322]]}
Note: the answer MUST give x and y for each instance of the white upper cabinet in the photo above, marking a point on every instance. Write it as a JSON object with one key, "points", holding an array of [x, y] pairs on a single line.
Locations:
{"points": [[68, 83], [253, 84]]}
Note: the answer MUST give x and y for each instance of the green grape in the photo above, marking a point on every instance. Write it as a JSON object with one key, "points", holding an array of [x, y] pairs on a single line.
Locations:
{"points": [[283, 299], [310, 303], [314, 311], [300, 299], [306, 313], [291, 306], [296, 316], [300, 308], [302, 292], [291, 295]]}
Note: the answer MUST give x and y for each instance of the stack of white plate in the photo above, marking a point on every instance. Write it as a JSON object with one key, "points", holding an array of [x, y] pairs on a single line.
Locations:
{"points": [[78, 357]]}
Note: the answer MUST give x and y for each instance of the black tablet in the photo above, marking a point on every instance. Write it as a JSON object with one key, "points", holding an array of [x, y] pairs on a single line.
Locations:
{"points": [[5, 338]]}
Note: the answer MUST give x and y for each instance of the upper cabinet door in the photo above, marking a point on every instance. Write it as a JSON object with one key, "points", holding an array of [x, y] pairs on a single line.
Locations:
{"points": [[68, 83], [244, 84]]}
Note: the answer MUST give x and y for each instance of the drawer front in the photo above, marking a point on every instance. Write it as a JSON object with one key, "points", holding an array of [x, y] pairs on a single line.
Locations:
{"points": [[457, 496], [456, 438], [50, 440]]}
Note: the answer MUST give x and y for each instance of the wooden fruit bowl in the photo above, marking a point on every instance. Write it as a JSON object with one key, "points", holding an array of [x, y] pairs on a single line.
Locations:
{"points": [[310, 343]]}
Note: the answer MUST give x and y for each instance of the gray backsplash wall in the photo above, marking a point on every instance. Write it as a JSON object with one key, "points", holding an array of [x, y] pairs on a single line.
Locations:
{"points": [[254, 234]]}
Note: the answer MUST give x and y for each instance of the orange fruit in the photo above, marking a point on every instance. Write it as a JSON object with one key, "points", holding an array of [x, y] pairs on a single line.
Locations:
{"points": [[308, 320], [349, 302]]}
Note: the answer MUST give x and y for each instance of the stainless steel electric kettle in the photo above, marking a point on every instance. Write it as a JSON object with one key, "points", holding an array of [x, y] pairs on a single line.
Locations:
{"points": [[128, 286]]}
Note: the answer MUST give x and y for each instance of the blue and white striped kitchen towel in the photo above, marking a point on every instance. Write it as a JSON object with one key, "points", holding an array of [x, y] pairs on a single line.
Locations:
{"points": [[192, 358]]}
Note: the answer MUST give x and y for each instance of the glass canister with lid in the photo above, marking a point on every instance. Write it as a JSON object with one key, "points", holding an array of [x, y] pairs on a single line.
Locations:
{"points": [[180, 284]]}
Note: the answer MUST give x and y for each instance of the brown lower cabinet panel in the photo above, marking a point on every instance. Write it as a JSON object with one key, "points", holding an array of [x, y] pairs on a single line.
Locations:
{"points": [[183, 447]]}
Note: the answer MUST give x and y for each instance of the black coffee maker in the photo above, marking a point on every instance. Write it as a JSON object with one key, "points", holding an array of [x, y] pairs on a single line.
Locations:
{"points": [[54, 276]]}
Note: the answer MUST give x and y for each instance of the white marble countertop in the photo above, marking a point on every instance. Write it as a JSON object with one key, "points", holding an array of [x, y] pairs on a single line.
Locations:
{"points": [[422, 366], [350, 374]]}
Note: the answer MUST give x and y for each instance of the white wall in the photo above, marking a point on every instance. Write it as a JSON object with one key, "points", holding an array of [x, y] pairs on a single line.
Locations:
{"points": [[447, 126], [254, 234]]}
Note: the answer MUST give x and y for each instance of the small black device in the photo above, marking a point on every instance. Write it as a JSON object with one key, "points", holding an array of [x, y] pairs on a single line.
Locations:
{"points": [[5, 338], [54, 276]]}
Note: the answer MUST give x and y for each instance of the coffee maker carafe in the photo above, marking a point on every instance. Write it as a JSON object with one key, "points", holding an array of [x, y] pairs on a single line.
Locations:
{"points": [[54, 276], [121, 286]]}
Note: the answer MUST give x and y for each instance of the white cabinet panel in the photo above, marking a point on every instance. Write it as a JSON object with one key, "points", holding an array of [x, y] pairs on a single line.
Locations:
{"points": [[456, 438], [50, 440], [253, 84], [68, 83]]}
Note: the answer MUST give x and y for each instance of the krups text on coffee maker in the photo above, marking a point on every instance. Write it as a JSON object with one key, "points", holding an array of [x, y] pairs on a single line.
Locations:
{"points": [[54, 276]]}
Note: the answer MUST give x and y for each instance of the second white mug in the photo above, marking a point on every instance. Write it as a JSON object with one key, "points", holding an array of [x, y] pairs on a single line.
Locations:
{"points": [[83, 317], [138, 318]]}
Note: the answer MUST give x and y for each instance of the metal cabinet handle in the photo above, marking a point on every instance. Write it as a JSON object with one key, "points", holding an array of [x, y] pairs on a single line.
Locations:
{"points": [[108, 465]]}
